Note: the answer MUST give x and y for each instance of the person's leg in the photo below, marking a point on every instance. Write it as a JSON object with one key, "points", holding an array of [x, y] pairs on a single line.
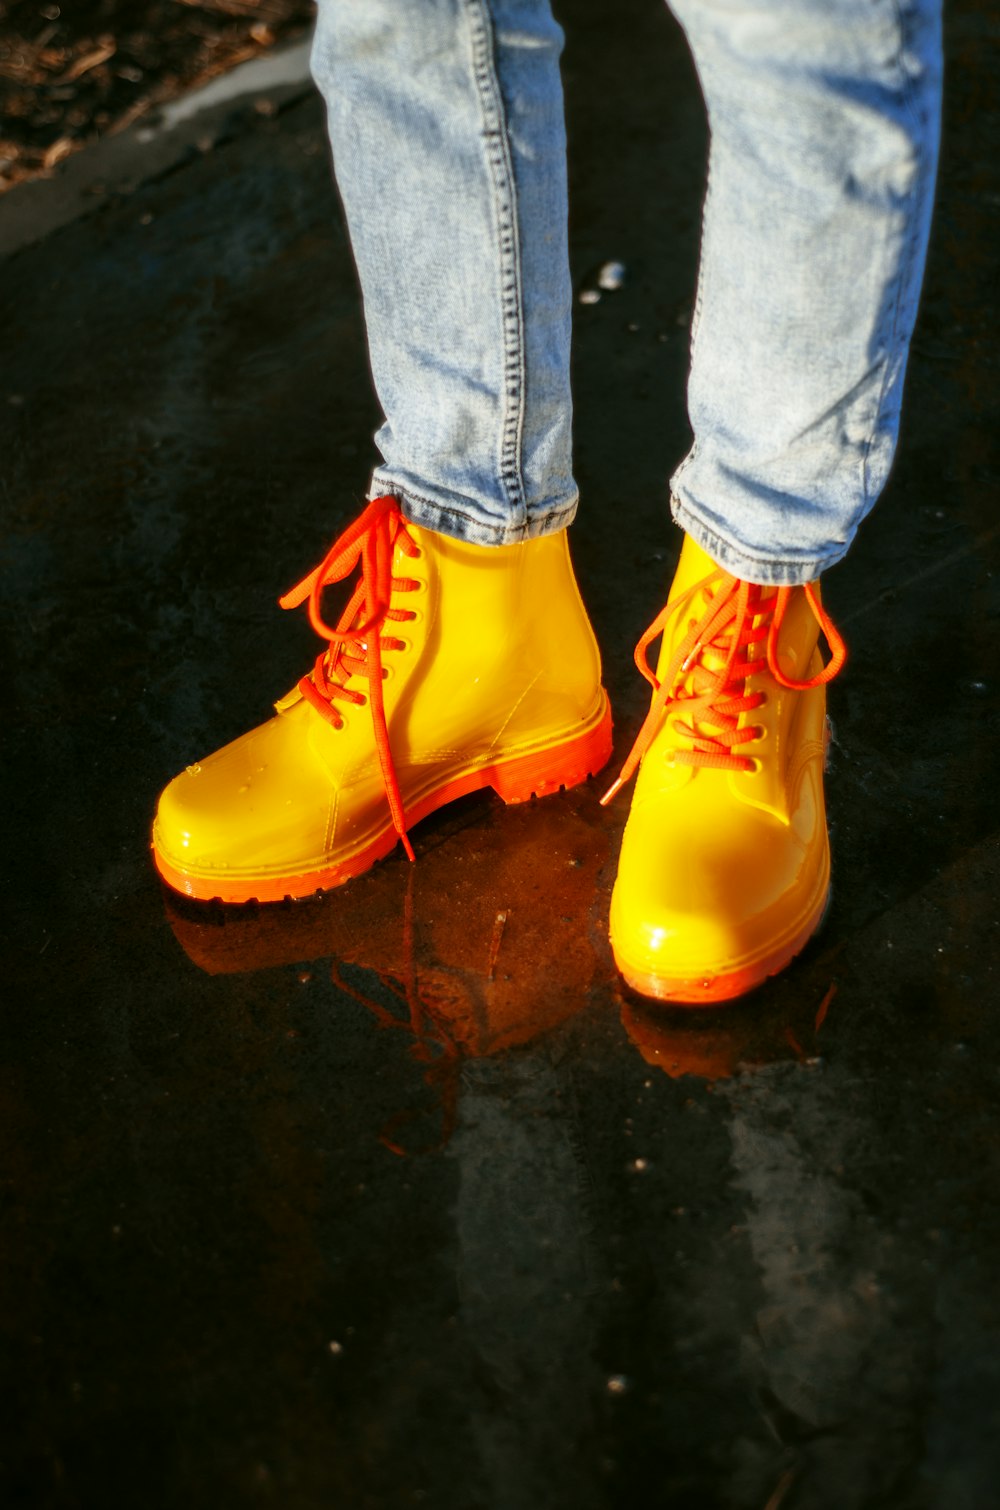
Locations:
{"points": [[824, 125], [446, 120], [464, 658], [824, 119]]}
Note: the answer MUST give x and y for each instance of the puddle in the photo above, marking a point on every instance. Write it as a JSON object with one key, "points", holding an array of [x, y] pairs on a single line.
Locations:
{"points": [[485, 944], [494, 938]]}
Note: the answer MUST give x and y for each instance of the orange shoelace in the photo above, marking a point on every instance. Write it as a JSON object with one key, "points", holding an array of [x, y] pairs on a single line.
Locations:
{"points": [[356, 644], [705, 707]]}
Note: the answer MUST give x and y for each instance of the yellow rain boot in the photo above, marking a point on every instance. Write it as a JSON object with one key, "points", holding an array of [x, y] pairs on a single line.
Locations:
{"points": [[725, 862], [453, 667]]}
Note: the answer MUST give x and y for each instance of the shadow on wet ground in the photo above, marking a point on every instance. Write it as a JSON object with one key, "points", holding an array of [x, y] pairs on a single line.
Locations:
{"points": [[397, 1196]]}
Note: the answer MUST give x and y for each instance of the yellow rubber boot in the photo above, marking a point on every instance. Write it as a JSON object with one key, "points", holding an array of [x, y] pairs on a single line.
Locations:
{"points": [[725, 863], [453, 667]]}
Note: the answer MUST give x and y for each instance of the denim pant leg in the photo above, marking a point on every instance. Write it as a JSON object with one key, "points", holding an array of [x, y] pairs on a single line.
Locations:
{"points": [[824, 118], [446, 120]]}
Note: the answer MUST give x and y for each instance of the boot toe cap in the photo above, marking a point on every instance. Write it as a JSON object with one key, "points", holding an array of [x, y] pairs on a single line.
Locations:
{"points": [[707, 916], [241, 812]]}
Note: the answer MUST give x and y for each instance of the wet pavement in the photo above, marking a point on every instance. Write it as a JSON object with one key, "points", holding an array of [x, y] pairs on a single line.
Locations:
{"points": [[397, 1197]]}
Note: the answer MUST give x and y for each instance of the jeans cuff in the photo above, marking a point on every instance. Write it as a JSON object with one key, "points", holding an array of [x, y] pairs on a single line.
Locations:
{"points": [[770, 570], [462, 519]]}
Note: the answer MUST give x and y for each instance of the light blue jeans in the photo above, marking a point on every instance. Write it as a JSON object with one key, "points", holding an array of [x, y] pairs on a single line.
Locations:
{"points": [[446, 120]]}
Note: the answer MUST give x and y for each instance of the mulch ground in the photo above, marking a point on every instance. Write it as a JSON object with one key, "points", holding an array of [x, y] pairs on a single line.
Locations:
{"points": [[77, 70]]}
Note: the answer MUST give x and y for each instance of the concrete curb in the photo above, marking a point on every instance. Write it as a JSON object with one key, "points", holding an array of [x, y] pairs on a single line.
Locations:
{"points": [[151, 147]]}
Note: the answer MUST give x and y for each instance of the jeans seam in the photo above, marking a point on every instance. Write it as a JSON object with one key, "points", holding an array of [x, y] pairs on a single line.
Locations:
{"points": [[501, 171], [905, 270], [699, 299]]}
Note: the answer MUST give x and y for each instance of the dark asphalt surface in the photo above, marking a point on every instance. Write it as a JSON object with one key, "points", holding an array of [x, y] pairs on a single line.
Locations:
{"points": [[310, 1205]]}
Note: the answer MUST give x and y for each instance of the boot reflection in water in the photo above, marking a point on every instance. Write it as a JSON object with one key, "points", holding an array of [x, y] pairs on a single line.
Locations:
{"points": [[464, 657], [481, 947]]}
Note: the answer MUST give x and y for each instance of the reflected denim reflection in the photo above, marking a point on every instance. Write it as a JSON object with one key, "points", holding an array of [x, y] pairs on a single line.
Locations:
{"points": [[446, 121]]}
